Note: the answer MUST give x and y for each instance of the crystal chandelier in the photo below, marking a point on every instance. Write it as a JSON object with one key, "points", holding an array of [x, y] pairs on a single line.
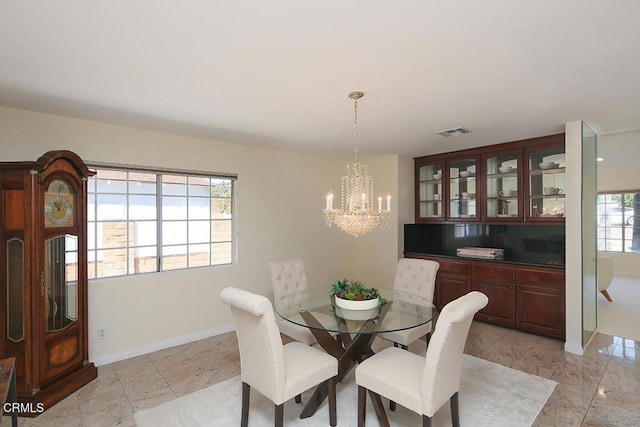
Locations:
{"points": [[357, 215]]}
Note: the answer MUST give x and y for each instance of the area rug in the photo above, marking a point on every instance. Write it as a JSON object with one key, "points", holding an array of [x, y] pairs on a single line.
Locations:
{"points": [[490, 395]]}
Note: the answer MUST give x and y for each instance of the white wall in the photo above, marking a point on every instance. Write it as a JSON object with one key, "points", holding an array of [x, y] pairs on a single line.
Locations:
{"points": [[573, 227], [619, 172], [279, 201]]}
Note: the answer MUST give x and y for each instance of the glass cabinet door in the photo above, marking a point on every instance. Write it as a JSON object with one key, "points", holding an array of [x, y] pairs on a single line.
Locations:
{"points": [[60, 282], [547, 183], [430, 191], [503, 173], [462, 188]]}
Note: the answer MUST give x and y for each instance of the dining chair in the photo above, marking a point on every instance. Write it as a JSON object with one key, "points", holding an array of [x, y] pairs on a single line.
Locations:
{"points": [[288, 276], [277, 371], [423, 384], [416, 277]]}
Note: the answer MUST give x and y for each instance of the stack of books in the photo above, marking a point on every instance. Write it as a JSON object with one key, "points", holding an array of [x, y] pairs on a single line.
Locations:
{"points": [[486, 253]]}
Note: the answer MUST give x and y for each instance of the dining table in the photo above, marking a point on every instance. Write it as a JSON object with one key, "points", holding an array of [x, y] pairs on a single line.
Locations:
{"points": [[348, 334]]}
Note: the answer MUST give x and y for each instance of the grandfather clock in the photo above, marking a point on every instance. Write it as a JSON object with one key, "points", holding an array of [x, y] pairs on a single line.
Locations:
{"points": [[43, 283]]}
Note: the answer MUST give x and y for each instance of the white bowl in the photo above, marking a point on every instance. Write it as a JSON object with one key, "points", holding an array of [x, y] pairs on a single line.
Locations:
{"points": [[366, 304], [437, 176], [546, 165], [505, 169], [465, 174]]}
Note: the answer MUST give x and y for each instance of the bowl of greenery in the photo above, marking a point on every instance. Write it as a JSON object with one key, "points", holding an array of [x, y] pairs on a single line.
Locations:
{"points": [[353, 295]]}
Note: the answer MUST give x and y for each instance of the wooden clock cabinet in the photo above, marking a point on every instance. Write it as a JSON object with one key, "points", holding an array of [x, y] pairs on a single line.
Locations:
{"points": [[43, 275]]}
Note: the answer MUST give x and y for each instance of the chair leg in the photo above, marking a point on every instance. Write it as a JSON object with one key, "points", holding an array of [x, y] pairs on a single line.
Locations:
{"points": [[606, 295], [333, 417], [392, 405], [404, 347], [427, 338], [279, 415], [455, 413], [246, 392], [299, 398], [426, 421], [362, 401]]}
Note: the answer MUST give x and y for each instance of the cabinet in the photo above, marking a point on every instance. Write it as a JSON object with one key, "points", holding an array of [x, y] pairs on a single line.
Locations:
{"points": [[43, 293], [546, 182], [503, 174], [497, 282], [429, 190], [519, 181], [540, 301], [522, 297]]}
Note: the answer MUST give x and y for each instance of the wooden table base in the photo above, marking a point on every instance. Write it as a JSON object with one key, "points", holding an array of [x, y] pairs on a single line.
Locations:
{"points": [[349, 352]]}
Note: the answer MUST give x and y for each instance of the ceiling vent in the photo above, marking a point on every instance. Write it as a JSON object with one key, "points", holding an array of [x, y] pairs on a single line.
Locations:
{"points": [[453, 132]]}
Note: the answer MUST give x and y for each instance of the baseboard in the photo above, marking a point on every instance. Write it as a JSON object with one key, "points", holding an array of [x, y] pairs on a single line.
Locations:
{"points": [[573, 348], [150, 348]]}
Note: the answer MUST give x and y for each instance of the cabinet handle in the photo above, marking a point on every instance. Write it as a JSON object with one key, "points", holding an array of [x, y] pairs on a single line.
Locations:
{"points": [[42, 283], [538, 277], [493, 271]]}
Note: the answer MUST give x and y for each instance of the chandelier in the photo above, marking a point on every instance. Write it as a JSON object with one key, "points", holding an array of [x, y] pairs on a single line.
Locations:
{"points": [[357, 215]]}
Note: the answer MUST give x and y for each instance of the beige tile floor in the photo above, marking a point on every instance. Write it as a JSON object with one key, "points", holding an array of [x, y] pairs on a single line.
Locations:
{"points": [[601, 388]]}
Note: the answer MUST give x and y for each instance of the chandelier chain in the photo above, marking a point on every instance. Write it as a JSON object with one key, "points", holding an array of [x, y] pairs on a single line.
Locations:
{"points": [[355, 129]]}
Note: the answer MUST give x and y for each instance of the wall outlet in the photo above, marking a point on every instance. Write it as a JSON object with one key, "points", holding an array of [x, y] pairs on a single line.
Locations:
{"points": [[102, 334]]}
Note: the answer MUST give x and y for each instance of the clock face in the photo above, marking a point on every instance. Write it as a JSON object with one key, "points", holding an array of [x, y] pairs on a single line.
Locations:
{"points": [[59, 205]]}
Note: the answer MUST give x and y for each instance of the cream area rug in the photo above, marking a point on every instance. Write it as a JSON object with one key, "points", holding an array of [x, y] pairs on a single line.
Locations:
{"points": [[490, 395]]}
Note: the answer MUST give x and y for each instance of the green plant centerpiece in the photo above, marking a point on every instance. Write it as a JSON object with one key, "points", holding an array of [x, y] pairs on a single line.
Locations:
{"points": [[353, 295]]}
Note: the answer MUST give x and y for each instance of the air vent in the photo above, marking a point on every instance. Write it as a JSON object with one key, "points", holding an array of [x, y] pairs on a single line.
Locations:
{"points": [[453, 132]]}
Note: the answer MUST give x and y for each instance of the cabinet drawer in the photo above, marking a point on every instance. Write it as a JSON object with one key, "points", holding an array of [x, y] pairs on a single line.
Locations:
{"points": [[493, 271], [455, 267], [541, 277]]}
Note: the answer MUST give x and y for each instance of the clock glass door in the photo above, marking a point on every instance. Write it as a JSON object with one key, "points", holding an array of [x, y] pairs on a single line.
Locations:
{"points": [[61, 282]]}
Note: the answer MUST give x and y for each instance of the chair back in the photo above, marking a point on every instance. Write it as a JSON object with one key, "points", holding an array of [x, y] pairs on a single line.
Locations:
{"points": [[261, 350], [416, 276], [443, 363], [287, 276]]}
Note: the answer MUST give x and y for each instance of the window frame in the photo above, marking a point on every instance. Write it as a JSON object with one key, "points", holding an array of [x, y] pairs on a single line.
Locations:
{"points": [[160, 220], [604, 228]]}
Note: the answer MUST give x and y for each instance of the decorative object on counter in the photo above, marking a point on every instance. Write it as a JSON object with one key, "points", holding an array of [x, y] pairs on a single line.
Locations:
{"points": [[357, 215], [476, 252], [355, 296]]}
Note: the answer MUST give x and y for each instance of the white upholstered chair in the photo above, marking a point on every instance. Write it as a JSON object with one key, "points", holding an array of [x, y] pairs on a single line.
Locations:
{"points": [[416, 276], [423, 384], [277, 371], [288, 276]]}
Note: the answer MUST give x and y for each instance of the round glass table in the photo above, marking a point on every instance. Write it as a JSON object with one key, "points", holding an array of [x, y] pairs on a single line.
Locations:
{"points": [[348, 334]]}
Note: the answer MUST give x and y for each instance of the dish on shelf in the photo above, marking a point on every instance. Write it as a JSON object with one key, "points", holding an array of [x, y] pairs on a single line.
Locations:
{"points": [[505, 169], [466, 174], [548, 165], [506, 215], [551, 215], [437, 176]]}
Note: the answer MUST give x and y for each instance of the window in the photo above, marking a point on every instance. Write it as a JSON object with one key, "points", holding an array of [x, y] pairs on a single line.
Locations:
{"points": [[619, 222], [146, 221]]}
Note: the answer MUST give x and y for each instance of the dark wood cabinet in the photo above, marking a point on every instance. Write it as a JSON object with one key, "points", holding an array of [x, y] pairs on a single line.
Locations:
{"points": [[497, 282], [43, 291], [523, 297], [519, 181], [540, 301]]}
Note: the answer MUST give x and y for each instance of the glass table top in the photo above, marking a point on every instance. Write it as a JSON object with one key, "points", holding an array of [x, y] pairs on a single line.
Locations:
{"points": [[402, 311]]}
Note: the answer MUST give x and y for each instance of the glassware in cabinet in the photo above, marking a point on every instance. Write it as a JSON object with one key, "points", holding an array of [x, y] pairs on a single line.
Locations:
{"points": [[503, 171], [462, 188], [430, 191], [547, 182]]}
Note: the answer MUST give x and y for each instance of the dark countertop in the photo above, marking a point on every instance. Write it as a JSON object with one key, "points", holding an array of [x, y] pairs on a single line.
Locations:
{"points": [[506, 260]]}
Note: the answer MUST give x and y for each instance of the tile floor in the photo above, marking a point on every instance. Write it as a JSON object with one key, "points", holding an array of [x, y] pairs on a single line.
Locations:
{"points": [[601, 388]]}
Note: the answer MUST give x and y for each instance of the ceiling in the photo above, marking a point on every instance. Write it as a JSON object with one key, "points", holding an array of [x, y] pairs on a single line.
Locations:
{"points": [[277, 73]]}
